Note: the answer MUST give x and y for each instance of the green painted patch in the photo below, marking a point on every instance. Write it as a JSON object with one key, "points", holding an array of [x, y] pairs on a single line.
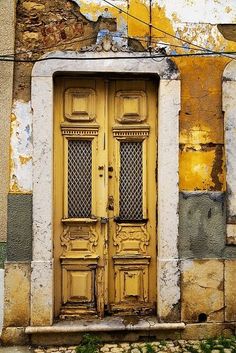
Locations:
{"points": [[3, 250], [19, 237]]}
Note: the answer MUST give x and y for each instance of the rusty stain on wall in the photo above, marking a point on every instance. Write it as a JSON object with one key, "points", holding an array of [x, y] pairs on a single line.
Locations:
{"points": [[201, 168]]}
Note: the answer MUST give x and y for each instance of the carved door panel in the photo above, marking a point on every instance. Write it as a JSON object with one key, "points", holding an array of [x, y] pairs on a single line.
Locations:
{"points": [[104, 196], [132, 231]]}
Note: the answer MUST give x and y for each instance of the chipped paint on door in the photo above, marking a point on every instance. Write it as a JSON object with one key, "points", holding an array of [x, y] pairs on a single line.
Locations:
{"points": [[104, 204]]}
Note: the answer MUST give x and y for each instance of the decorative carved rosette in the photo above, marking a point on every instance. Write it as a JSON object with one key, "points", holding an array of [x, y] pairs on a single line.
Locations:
{"points": [[80, 239], [131, 238]]}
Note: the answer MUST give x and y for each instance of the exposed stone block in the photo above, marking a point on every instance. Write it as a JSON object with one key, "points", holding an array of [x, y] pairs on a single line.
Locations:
{"points": [[202, 291], [206, 330], [31, 5], [230, 290], [17, 294], [14, 336]]}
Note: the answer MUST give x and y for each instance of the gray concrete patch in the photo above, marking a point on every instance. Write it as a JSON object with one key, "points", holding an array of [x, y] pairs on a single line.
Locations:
{"points": [[202, 226], [19, 240]]}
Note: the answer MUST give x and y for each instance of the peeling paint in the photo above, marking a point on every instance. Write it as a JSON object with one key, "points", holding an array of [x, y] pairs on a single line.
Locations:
{"points": [[25, 159], [201, 168], [21, 147], [169, 291], [201, 11], [100, 9], [185, 11], [186, 20], [202, 164], [205, 35]]}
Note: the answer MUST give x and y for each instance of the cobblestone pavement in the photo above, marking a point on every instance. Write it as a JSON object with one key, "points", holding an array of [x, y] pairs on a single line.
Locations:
{"points": [[153, 347], [207, 346]]}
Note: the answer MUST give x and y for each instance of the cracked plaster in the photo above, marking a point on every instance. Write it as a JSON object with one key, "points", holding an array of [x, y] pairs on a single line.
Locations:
{"points": [[184, 19], [168, 290], [21, 147], [202, 288], [228, 105], [185, 11], [192, 10]]}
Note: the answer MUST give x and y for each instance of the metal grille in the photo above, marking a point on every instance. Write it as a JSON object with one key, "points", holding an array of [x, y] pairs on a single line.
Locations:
{"points": [[131, 181], [79, 178]]}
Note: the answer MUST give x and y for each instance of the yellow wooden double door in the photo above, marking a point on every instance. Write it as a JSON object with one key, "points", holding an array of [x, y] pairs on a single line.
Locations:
{"points": [[105, 232]]}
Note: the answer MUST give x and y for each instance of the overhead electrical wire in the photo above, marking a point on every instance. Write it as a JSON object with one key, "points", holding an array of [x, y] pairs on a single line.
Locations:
{"points": [[205, 51], [159, 29], [139, 38], [59, 46], [11, 59]]}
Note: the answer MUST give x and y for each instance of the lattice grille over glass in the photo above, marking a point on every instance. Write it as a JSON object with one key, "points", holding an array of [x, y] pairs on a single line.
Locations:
{"points": [[79, 178], [131, 181]]}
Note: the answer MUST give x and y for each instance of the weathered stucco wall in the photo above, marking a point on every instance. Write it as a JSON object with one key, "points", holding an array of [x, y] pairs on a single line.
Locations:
{"points": [[206, 262], [43, 27], [7, 35]]}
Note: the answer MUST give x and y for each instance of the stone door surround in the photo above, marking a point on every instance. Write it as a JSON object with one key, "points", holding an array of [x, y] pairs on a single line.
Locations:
{"points": [[168, 193]]}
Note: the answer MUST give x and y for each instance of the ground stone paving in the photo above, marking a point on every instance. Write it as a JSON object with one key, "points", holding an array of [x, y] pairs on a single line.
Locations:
{"points": [[146, 347]]}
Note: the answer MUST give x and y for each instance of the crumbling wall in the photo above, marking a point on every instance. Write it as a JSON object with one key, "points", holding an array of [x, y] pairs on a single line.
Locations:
{"points": [[44, 26]]}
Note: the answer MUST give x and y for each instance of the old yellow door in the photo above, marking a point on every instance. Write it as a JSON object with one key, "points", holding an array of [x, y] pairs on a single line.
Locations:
{"points": [[105, 231]]}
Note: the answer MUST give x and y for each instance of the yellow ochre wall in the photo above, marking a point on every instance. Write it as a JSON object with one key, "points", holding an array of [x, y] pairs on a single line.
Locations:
{"points": [[44, 26], [201, 119]]}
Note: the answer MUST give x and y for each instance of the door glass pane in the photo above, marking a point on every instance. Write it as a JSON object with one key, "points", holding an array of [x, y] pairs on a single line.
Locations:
{"points": [[79, 178], [131, 181]]}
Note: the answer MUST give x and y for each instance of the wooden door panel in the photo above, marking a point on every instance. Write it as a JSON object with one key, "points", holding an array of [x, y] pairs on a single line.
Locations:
{"points": [[132, 153], [79, 182], [104, 196]]}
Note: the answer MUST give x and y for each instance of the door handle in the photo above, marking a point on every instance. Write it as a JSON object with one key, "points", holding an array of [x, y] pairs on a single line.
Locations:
{"points": [[110, 204]]}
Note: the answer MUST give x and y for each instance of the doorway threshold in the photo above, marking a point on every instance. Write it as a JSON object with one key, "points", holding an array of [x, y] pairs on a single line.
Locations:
{"points": [[106, 325]]}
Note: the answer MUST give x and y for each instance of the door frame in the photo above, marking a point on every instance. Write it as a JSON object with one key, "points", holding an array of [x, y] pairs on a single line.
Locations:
{"points": [[168, 274]]}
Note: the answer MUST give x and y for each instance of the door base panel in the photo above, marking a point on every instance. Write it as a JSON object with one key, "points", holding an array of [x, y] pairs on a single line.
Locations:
{"points": [[147, 309], [74, 312]]}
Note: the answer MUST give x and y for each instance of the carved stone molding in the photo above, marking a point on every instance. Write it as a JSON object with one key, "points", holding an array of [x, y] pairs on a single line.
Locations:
{"points": [[106, 44], [131, 238], [79, 130], [79, 240], [131, 131]]}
